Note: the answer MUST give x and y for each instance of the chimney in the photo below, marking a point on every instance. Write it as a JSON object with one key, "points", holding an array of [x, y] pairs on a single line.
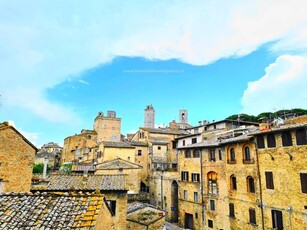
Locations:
{"points": [[45, 168]]}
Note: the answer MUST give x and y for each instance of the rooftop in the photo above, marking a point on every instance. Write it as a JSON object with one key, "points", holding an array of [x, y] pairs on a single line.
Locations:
{"points": [[79, 182], [117, 144], [49, 210]]}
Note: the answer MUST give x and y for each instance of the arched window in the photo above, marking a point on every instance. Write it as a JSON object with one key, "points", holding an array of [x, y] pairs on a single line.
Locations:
{"points": [[232, 155], [196, 153], [187, 154], [233, 182], [301, 138], [247, 154], [250, 184], [212, 183], [271, 140], [286, 138]]}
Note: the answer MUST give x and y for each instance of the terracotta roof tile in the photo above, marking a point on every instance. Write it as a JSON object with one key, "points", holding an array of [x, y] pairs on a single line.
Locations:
{"points": [[48, 210], [81, 182]]}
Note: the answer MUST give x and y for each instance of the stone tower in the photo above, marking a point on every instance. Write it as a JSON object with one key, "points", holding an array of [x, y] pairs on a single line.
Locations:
{"points": [[108, 127], [183, 116], [149, 117]]}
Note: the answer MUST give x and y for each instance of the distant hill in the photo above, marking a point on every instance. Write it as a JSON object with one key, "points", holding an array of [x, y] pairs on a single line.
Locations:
{"points": [[269, 116]]}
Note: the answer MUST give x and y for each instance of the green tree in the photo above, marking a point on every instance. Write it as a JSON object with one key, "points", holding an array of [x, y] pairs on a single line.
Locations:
{"points": [[39, 168]]}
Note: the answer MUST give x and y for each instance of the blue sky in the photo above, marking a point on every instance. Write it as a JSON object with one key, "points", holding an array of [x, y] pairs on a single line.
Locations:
{"points": [[62, 63]]}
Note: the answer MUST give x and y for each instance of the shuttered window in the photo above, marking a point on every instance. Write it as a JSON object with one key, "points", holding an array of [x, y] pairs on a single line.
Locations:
{"points": [[304, 182], [269, 180], [252, 216]]}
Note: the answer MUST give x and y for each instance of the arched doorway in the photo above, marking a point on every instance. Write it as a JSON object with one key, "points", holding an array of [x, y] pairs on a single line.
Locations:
{"points": [[174, 206]]}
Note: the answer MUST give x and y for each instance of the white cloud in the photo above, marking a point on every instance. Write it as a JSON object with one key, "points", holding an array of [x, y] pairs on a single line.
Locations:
{"points": [[43, 43], [83, 82], [282, 87], [32, 137]]}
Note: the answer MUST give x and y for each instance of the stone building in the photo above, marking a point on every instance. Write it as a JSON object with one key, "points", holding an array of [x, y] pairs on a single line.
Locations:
{"points": [[149, 117], [55, 211], [142, 216], [282, 161], [108, 128], [204, 191], [80, 147], [16, 160], [122, 167], [112, 190], [52, 151]]}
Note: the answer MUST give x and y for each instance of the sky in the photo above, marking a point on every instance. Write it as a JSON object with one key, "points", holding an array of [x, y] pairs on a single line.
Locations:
{"points": [[62, 62]]}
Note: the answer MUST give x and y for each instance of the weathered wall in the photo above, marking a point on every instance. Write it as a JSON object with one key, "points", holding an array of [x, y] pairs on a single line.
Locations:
{"points": [[109, 153], [121, 209], [287, 195], [17, 158], [107, 128], [132, 177]]}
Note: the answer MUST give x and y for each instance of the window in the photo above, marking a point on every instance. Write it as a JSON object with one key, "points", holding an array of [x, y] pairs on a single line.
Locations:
{"points": [[232, 155], [277, 221], [112, 206], [247, 154], [159, 147], [195, 197], [195, 177], [141, 135], [194, 140], [233, 182], [301, 138], [128, 158], [185, 194], [304, 182], [184, 176], [260, 142], [196, 153], [139, 152], [212, 205], [196, 215], [286, 138], [252, 216], [269, 180], [183, 142], [212, 183], [231, 210], [210, 223], [271, 141], [250, 184], [220, 155], [187, 154], [212, 155]]}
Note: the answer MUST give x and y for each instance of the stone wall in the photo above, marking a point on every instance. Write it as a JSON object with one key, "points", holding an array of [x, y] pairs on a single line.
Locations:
{"points": [[16, 158]]}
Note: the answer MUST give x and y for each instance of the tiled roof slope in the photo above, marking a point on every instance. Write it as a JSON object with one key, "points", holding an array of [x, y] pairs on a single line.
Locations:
{"points": [[49, 210], [81, 182], [115, 144], [116, 164], [166, 131]]}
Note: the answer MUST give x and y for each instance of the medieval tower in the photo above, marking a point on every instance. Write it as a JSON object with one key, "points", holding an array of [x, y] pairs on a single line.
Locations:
{"points": [[108, 128], [183, 116], [149, 117]]}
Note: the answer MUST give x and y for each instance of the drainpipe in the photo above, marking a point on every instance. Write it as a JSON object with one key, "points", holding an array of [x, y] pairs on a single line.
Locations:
{"points": [[260, 188], [202, 190], [162, 205]]}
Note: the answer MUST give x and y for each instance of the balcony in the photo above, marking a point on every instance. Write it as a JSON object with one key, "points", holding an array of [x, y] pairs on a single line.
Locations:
{"points": [[249, 161], [232, 161]]}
